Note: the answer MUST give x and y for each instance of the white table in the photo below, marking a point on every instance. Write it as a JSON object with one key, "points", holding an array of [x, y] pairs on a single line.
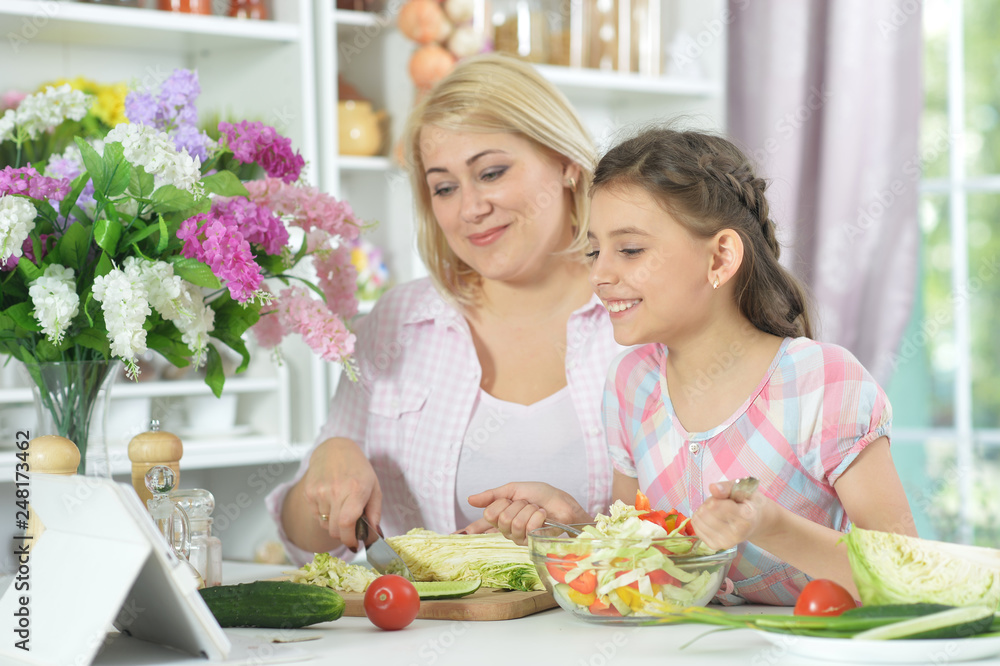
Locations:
{"points": [[549, 638]]}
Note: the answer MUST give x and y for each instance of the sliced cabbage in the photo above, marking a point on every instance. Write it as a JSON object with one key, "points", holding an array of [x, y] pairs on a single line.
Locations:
{"points": [[328, 571], [891, 568]]}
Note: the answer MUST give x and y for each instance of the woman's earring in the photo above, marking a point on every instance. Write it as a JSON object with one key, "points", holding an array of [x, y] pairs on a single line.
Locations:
{"points": [[715, 283], [572, 183]]}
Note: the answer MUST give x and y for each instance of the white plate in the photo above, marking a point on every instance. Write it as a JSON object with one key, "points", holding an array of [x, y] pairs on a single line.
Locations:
{"points": [[928, 651], [228, 433]]}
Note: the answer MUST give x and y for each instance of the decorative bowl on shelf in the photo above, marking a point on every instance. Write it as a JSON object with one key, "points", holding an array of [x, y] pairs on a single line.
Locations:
{"points": [[360, 128], [615, 580]]}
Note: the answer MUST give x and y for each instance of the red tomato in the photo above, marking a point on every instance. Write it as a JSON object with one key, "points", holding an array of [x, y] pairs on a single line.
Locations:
{"points": [[823, 597], [391, 602]]}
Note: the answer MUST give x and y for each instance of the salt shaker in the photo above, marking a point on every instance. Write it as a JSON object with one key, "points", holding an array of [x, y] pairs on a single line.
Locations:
{"points": [[151, 448], [205, 552]]}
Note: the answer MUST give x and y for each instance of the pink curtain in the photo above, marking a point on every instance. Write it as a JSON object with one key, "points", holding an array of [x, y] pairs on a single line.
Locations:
{"points": [[827, 96]]}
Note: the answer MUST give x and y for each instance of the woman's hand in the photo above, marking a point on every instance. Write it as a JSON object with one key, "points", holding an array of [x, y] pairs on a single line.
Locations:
{"points": [[723, 523], [517, 508], [324, 506]]}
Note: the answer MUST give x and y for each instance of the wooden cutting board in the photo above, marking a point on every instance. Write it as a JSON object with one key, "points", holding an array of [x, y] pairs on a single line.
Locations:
{"points": [[485, 604]]}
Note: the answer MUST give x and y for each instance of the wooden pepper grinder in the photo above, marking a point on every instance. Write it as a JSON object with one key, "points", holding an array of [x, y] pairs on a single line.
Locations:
{"points": [[151, 448], [48, 454]]}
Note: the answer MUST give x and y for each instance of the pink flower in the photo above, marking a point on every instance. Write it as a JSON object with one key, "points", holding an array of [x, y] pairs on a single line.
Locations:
{"points": [[225, 251], [11, 99], [309, 207], [322, 330], [29, 182], [338, 278], [260, 143], [255, 222], [268, 331]]}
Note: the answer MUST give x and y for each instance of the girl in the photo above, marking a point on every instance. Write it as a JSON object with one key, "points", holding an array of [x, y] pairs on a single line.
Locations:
{"points": [[728, 382]]}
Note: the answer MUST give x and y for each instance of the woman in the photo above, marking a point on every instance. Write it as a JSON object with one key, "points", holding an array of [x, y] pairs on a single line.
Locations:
{"points": [[492, 368]]}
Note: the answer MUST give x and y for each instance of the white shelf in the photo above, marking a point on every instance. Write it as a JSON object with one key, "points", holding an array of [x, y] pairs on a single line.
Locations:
{"points": [[576, 82], [126, 389], [349, 163], [199, 454], [127, 27], [350, 18]]}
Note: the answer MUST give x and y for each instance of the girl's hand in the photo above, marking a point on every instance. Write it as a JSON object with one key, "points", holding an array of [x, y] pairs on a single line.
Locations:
{"points": [[517, 508], [340, 484], [723, 523], [480, 526]]}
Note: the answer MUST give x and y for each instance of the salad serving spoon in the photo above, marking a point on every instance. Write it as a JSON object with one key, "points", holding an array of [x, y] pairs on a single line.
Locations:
{"points": [[568, 529]]}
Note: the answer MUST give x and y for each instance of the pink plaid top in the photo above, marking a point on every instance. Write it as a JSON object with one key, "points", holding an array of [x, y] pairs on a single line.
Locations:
{"points": [[419, 378], [810, 416]]}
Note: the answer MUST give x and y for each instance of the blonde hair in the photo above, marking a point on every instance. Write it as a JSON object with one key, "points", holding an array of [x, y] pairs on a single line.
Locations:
{"points": [[494, 93]]}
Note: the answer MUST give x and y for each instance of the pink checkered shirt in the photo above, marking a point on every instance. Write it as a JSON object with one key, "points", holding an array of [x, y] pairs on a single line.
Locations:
{"points": [[414, 401], [810, 417]]}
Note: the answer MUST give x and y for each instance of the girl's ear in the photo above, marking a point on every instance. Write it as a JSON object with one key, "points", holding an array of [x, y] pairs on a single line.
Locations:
{"points": [[727, 256]]}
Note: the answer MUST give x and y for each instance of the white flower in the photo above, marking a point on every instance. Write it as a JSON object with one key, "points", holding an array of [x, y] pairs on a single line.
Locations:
{"points": [[7, 125], [154, 151], [17, 219], [124, 300], [56, 301], [180, 302], [46, 110]]}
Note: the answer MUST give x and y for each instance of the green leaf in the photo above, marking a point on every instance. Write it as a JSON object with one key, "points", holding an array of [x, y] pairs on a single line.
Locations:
{"points": [[80, 182], [234, 342], [214, 375], [164, 236], [165, 340], [73, 246], [140, 230], [46, 351], [195, 272], [140, 183], [168, 198], [104, 265], [225, 183], [94, 338], [22, 315], [117, 170], [30, 271], [106, 234], [94, 163]]}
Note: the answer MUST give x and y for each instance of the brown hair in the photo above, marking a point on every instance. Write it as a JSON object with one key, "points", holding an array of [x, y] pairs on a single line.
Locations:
{"points": [[494, 93], [708, 185]]}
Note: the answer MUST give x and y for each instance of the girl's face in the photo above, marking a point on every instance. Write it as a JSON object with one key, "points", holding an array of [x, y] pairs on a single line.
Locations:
{"points": [[650, 272], [502, 203]]}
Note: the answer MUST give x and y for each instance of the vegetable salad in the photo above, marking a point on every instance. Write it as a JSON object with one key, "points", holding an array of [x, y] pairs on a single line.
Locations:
{"points": [[616, 566]]}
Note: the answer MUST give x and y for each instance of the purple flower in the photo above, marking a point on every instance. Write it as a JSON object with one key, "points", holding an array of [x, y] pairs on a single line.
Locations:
{"points": [[225, 251], [255, 222], [172, 111], [260, 143], [68, 168]]}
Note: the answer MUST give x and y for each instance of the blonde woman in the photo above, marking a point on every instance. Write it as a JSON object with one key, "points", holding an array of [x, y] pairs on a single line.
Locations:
{"points": [[492, 368]]}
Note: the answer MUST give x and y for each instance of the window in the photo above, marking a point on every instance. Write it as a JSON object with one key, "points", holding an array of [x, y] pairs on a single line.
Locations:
{"points": [[946, 389]]}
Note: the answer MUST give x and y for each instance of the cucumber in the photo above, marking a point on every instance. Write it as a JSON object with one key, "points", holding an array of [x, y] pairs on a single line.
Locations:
{"points": [[902, 611], [451, 589], [950, 623], [272, 604]]}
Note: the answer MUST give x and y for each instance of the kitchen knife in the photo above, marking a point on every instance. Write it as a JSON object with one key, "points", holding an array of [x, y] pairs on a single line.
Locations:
{"points": [[379, 553]]}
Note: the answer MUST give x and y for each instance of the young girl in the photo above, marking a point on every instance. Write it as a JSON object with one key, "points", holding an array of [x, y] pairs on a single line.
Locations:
{"points": [[727, 382]]}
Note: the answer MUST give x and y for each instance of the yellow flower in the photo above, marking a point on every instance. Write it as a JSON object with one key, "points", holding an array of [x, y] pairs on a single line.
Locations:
{"points": [[359, 259], [109, 105]]}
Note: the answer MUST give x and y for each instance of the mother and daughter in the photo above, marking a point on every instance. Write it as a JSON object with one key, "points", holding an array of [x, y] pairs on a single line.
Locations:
{"points": [[713, 372]]}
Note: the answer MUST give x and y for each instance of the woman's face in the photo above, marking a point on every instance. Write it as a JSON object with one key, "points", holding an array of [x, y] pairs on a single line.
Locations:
{"points": [[649, 271], [502, 204]]}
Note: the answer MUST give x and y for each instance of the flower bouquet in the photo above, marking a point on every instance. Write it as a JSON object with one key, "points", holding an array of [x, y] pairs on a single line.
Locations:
{"points": [[148, 239]]}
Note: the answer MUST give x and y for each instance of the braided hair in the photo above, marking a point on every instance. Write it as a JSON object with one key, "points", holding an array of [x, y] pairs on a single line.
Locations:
{"points": [[707, 184]]}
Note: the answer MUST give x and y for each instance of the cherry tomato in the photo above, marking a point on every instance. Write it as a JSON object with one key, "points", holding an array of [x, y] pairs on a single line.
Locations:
{"points": [[391, 602], [823, 597]]}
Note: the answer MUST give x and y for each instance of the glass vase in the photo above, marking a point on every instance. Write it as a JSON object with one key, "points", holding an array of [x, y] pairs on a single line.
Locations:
{"points": [[71, 400]]}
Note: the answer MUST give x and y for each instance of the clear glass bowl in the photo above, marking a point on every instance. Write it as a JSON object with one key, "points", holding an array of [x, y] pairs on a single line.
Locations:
{"points": [[612, 580]]}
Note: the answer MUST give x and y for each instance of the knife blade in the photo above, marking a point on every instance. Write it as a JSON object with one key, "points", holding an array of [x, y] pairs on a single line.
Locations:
{"points": [[379, 553]]}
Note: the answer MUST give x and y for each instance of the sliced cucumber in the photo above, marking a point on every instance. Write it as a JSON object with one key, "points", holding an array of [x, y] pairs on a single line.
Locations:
{"points": [[447, 589], [951, 623]]}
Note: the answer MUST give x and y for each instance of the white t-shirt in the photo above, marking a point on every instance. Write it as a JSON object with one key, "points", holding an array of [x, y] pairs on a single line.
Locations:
{"points": [[503, 435]]}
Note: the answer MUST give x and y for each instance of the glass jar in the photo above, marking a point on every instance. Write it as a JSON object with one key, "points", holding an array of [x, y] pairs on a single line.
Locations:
{"points": [[186, 6], [602, 37], [248, 9], [204, 549], [521, 28]]}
